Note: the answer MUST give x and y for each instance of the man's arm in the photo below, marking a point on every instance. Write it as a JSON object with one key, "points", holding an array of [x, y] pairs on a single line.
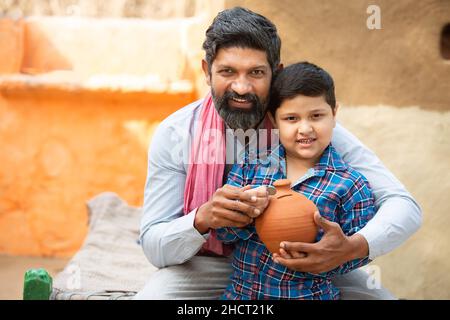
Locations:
{"points": [[398, 215], [355, 212], [167, 237]]}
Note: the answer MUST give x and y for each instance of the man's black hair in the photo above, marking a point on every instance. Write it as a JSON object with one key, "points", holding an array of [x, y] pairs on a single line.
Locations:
{"points": [[240, 27]]}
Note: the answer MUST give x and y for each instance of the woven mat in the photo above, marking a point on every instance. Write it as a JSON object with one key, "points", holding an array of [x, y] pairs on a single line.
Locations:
{"points": [[110, 264]]}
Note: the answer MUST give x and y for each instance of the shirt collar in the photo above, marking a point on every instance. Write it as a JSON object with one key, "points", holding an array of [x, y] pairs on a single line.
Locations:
{"points": [[329, 161]]}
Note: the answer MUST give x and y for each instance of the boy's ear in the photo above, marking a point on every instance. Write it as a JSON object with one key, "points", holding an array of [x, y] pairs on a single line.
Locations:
{"points": [[272, 119], [336, 109], [206, 72]]}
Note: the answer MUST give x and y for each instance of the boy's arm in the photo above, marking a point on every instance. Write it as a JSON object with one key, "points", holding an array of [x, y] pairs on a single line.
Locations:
{"points": [[236, 178], [233, 234]]}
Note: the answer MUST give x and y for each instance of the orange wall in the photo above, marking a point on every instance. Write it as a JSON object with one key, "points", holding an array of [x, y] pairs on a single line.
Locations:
{"points": [[59, 149], [79, 100]]}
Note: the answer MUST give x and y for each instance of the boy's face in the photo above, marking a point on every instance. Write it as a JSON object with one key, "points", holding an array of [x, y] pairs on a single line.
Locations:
{"points": [[240, 81], [306, 126]]}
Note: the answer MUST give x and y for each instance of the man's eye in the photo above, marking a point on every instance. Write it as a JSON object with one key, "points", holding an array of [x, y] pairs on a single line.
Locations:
{"points": [[226, 71], [258, 72]]}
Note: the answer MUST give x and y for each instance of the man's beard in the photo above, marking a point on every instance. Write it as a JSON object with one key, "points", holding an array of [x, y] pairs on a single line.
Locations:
{"points": [[240, 118]]}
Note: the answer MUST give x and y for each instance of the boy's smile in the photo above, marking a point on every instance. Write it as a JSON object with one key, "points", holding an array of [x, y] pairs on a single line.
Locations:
{"points": [[306, 126], [305, 142]]}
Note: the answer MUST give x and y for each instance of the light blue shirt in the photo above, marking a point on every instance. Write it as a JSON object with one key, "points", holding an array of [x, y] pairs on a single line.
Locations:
{"points": [[168, 237]]}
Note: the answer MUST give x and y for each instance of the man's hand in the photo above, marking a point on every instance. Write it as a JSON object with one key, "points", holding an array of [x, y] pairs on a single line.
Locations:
{"points": [[229, 207], [333, 249], [262, 199]]}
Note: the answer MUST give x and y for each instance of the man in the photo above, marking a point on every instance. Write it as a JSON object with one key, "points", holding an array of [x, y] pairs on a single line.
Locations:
{"points": [[184, 200]]}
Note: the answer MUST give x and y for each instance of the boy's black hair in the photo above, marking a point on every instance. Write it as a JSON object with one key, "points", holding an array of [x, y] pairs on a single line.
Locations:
{"points": [[240, 27], [302, 78]]}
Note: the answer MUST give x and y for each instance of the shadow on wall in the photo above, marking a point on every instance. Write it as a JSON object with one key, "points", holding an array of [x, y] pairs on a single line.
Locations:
{"points": [[445, 42], [26, 49], [39, 53]]}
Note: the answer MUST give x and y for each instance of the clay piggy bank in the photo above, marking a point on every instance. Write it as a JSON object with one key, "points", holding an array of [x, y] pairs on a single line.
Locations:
{"points": [[289, 217]]}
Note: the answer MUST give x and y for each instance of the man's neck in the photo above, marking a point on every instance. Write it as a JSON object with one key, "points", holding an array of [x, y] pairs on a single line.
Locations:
{"points": [[242, 138]]}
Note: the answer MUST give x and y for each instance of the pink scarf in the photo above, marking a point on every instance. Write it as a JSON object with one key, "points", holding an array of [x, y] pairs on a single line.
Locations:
{"points": [[206, 168]]}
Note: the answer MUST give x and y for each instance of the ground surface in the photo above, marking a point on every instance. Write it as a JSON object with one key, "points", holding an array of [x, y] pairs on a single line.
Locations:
{"points": [[13, 270]]}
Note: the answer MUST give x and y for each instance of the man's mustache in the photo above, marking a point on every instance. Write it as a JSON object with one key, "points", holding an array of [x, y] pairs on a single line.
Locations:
{"points": [[250, 97]]}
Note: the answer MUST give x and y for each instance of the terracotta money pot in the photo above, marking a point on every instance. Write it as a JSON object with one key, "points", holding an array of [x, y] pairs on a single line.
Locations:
{"points": [[289, 217]]}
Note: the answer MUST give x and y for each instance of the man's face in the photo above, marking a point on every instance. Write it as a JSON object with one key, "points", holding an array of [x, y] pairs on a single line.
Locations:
{"points": [[240, 82]]}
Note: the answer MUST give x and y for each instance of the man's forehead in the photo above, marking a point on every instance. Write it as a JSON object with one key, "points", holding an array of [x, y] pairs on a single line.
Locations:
{"points": [[245, 57]]}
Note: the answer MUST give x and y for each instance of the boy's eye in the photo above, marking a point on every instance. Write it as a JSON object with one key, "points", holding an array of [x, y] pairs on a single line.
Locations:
{"points": [[291, 118], [317, 115]]}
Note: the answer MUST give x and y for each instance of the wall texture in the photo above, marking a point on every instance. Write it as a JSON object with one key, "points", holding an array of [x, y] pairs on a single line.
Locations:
{"points": [[399, 65]]}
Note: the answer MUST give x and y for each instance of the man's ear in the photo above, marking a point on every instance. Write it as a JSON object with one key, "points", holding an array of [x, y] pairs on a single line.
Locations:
{"points": [[206, 72], [280, 67], [271, 118], [335, 113]]}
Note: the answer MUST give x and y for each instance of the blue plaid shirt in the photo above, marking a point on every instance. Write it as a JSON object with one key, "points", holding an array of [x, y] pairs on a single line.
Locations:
{"points": [[341, 194]]}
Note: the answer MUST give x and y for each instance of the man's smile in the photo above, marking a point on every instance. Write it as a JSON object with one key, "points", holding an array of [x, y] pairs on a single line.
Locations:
{"points": [[240, 103]]}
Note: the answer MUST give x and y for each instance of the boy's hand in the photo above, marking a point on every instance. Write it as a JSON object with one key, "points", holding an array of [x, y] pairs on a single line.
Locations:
{"points": [[334, 249]]}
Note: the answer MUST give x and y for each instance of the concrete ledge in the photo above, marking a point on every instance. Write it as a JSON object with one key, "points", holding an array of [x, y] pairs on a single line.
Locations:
{"points": [[122, 87]]}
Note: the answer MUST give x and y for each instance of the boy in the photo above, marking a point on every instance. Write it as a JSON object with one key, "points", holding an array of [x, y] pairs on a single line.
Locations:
{"points": [[303, 108]]}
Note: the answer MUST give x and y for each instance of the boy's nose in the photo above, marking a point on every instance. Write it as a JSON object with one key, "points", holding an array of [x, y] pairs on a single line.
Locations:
{"points": [[305, 128]]}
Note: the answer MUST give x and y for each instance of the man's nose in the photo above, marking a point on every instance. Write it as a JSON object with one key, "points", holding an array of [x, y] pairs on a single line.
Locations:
{"points": [[241, 86]]}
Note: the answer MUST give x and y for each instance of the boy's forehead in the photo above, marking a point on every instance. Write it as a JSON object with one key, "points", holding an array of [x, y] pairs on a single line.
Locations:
{"points": [[301, 102]]}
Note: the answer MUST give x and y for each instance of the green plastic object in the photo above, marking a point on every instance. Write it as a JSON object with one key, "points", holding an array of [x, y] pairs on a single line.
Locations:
{"points": [[37, 285]]}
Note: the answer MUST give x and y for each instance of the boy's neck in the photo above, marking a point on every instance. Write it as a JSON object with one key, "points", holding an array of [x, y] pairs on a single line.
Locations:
{"points": [[297, 167]]}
